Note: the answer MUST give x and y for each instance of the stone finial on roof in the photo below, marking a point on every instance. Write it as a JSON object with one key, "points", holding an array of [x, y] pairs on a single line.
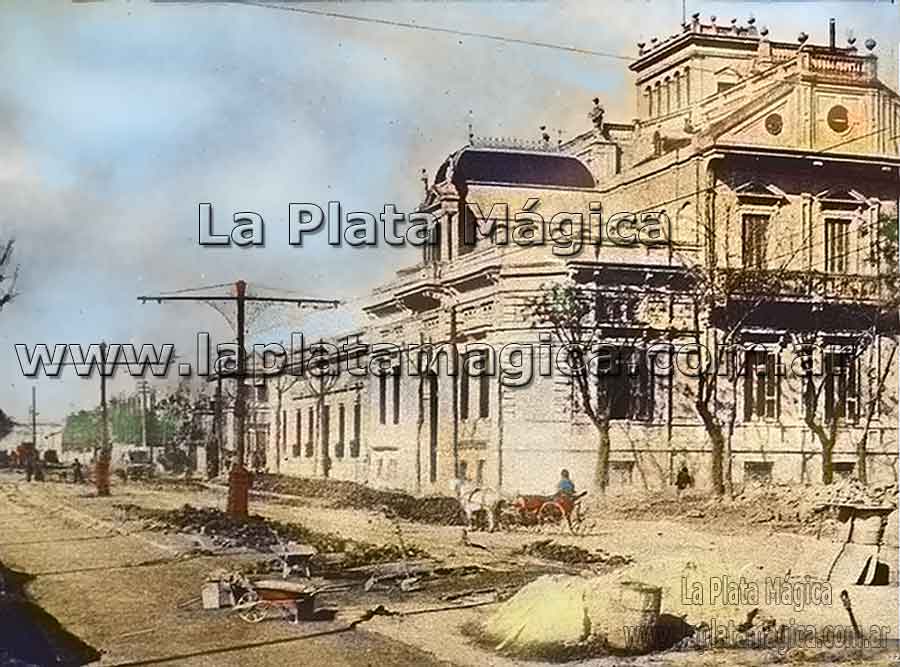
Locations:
{"points": [[596, 114]]}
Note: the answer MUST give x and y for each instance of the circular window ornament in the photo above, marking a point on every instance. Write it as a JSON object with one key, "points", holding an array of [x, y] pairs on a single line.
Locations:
{"points": [[838, 119], [774, 124]]}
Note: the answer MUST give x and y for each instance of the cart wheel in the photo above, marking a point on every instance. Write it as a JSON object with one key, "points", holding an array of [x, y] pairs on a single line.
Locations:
{"points": [[550, 512], [255, 612]]}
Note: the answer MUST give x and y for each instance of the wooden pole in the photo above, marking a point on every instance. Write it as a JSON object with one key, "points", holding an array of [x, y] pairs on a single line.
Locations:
{"points": [[103, 460], [239, 479]]}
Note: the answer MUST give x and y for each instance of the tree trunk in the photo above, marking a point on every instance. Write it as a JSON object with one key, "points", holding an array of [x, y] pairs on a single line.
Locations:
{"points": [[278, 430], [717, 453], [862, 472], [601, 471], [827, 463]]}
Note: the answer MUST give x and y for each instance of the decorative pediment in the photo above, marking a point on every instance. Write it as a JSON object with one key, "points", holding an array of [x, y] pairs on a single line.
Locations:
{"points": [[836, 199], [760, 191], [841, 196]]}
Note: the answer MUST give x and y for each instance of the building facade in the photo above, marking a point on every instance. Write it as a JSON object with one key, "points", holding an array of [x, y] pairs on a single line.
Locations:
{"points": [[764, 176]]}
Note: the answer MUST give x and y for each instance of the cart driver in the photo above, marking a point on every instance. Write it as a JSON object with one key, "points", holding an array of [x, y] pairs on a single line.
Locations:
{"points": [[565, 484]]}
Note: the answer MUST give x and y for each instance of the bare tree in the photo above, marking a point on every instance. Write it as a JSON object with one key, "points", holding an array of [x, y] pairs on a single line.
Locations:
{"points": [[597, 351], [836, 395], [9, 273]]}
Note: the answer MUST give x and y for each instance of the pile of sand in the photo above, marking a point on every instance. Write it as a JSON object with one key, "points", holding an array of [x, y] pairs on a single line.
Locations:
{"points": [[566, 617]]}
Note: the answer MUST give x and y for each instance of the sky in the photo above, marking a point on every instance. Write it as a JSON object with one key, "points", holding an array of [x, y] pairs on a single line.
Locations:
{"points": [[118, 118]]}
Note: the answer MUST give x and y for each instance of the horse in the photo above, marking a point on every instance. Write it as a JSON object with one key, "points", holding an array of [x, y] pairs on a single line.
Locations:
{"points": [[477, 501]]}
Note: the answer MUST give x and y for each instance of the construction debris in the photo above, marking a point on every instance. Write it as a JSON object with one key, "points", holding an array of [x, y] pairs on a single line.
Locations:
{"points": [[800, 509], [263, 534], [439, 510], [574, 555]]}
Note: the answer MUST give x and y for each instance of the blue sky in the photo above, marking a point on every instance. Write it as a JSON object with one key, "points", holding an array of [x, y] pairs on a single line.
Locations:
{"points": [[118, 118]]}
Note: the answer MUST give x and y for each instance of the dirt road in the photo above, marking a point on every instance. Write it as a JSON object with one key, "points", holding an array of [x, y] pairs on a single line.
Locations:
{"points": [[132, 594]]}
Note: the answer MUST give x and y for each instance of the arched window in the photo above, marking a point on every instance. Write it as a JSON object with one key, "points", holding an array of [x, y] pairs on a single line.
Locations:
{"points": [[658, 92], [677, 90], [687, 85], [668, 95], [649, 93]]}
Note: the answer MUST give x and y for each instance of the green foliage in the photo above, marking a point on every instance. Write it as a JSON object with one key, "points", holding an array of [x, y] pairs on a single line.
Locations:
{"points": [[6, 425], [82, 430]]}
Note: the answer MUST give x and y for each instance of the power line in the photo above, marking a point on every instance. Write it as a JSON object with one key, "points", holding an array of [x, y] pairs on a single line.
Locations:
{"points": [[440, 29], [455, 31]]}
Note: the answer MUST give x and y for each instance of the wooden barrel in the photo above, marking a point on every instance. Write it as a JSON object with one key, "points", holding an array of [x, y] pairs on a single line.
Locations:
{"points": [[633, 615], [867, 527]]}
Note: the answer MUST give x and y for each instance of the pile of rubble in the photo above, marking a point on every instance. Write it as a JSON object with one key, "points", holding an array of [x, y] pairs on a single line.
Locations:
{"points": [[263, 534], [787, 507], [574, 555], [439, 510]]}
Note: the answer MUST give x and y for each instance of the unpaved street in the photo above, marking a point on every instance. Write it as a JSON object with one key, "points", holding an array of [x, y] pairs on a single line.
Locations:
{"points": [[132, 593]]}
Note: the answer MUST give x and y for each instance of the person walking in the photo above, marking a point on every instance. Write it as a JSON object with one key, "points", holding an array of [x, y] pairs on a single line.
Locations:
{"points": [[683, 480]]}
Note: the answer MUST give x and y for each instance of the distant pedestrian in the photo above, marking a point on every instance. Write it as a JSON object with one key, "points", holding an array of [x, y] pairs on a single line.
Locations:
{"points": [[683, 480], [77, 472]]}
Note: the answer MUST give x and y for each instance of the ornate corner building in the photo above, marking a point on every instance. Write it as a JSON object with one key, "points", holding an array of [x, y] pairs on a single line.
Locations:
{"points": [[772, 169]]}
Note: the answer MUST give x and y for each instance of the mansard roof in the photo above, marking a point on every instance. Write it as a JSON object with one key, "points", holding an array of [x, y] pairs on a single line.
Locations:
{"points": [[510, 166]]}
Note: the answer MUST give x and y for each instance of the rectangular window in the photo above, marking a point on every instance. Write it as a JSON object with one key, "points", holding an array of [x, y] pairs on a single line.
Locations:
{"points": [[262, 393], [464, 377], [310, 432], [761, 386], [382, 398], [837, 245], [357, 428], [621, 473], [396, 400], [479, 472], [630, 385], [339, 445], [484, 395], [756, 239], [841, 386], [298, 433], [758, 471], [475, 365], [843, 469], [722, 86]]}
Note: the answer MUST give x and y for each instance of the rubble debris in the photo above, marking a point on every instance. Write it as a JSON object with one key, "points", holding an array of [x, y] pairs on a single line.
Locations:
{"points": [[574, 555], [439, 510], [262, 534], [789, 507]]}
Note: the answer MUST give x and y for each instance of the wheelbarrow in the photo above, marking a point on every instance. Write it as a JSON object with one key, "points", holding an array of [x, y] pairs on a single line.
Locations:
{"points": [[273, 598]]}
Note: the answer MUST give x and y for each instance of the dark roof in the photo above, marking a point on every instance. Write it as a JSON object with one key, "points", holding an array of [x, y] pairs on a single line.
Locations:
{"points": [[521, 167]]}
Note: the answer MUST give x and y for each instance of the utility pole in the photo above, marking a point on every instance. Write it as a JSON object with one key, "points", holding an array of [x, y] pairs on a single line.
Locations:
{"points": [[214, 451], [239, 478], [143, 387], [103, 460], [34, 417]]}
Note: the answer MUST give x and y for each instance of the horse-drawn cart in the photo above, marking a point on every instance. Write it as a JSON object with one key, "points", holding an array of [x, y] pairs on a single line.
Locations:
{"points": [[537, 511]]}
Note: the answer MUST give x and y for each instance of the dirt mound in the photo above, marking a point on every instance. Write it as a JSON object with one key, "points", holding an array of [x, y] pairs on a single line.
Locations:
{"points": [[789, 507], [263, 534], [439, 510], [574, 555]]}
